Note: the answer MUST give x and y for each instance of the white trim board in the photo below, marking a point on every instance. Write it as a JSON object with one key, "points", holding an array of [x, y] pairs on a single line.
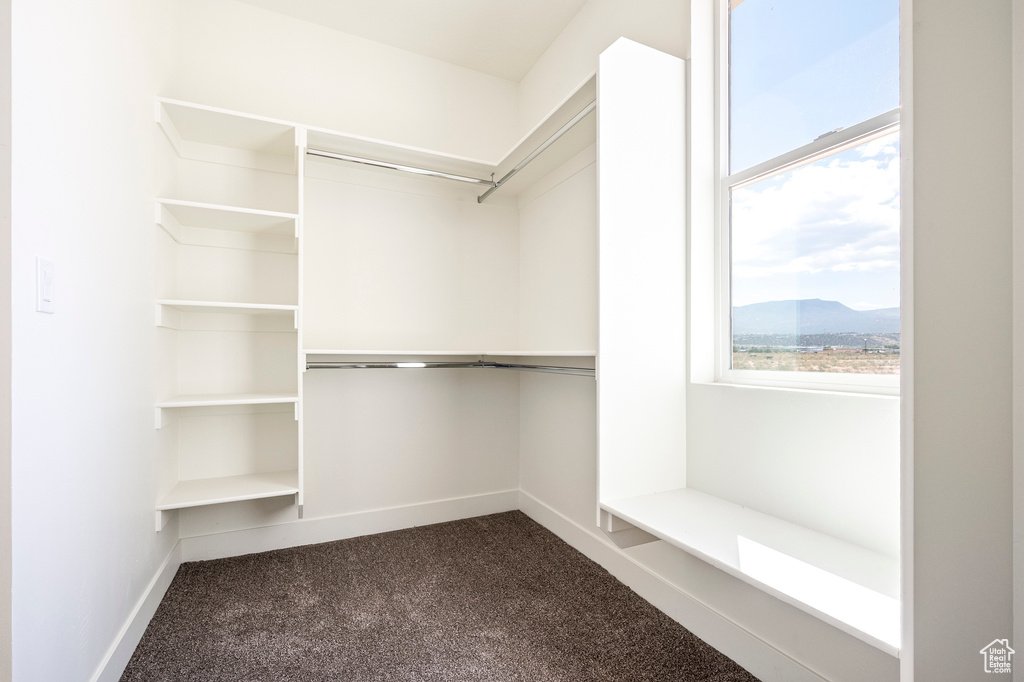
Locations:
{"points": [[757, 656], [121, 649], [311, 531]]}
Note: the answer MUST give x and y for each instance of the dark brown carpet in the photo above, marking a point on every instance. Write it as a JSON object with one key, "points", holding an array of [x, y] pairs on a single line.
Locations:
{"points": [[492, 598]]}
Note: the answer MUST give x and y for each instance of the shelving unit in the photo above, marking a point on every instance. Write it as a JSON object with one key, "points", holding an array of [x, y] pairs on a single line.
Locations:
{"points": [[228, 230], [232, 253]]}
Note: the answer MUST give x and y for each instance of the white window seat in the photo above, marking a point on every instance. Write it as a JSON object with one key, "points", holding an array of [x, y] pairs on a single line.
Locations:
{"points": [[853, 588]]}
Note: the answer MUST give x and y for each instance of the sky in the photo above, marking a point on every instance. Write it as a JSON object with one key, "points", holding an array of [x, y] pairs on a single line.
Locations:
{"points": [[829, 230]]}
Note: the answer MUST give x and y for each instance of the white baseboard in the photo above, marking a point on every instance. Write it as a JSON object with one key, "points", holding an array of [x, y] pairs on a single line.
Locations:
{"points": [[757, 656], [330, 528], [120, 652]]}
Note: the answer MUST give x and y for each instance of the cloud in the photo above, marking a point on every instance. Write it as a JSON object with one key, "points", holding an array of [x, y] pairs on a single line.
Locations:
{"points": [[839, 214]]}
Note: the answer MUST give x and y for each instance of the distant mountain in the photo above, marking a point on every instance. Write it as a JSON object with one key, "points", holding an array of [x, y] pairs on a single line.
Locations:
{"points": [[812, 316]]}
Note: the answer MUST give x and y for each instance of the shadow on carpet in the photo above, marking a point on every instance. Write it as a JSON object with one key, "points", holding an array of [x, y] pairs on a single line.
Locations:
{"points": [[491, 598]]}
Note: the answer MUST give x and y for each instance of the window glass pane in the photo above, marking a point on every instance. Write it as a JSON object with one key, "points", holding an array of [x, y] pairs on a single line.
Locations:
{"points": [[815, 277], [801, 68]]}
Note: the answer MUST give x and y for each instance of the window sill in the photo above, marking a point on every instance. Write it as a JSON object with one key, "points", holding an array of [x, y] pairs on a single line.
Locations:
{"points": [[795, 387], [861, 384], [852, 588]]}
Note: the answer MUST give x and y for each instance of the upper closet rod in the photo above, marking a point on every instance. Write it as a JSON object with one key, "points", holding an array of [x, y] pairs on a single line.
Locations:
{"points": [[461, 178], [547, 143], [578, 371], [395, 166]]}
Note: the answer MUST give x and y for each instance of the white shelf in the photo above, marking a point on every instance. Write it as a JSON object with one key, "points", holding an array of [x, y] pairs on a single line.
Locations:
{"points": [[853, 588], [459, 353], [205, 491], [199, 400], [228, 218], [226, 307], [222, 136], [380, 150]]}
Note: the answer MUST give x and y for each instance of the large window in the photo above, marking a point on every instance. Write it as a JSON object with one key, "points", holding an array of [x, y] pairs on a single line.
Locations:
{"points": [[810, 272]]}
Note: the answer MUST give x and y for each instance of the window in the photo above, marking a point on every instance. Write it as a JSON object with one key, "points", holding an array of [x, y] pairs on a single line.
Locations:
{"points": [[809, 283]]}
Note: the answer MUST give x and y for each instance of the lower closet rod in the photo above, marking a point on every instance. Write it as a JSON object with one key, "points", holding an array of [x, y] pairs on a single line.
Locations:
{"points": [[577, 371]]}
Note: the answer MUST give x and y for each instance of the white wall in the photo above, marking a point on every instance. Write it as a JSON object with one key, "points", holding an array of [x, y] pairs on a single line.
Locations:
{"points": [[962, 286], [5, 338], [558, 299], [388, 438], [240, 57], [84, 77], [661, 24], [392, 269], [558, 267], [828, 462]]}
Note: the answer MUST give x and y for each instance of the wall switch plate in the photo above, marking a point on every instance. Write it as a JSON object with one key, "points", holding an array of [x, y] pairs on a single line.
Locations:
{"points": [[45, 298]]}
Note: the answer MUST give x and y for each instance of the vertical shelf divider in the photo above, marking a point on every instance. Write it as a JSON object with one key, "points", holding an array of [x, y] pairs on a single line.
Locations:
{"points": [[301, 135]]}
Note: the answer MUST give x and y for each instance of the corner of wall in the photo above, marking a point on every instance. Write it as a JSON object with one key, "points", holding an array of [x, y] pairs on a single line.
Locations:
{"points": [[128, 637], [572, 56]]}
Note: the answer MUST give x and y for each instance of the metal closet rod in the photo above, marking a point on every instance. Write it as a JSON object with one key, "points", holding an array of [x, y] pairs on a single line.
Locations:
{"points": [[395, 166], [460, 178], [330, 364], [537, 152]]}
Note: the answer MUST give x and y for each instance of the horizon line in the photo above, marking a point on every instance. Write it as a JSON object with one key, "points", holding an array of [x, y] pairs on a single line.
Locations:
{"points": [[801, 300]]}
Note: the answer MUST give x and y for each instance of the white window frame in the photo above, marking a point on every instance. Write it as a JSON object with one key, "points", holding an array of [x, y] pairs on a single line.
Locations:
{"points": [[826, 145]]}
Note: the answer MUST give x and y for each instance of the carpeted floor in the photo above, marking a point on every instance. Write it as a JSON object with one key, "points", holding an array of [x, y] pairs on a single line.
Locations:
{"points": [[492, 598]]}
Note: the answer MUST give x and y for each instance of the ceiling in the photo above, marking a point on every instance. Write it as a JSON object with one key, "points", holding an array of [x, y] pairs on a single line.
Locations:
{"points": [[499, 37]]}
